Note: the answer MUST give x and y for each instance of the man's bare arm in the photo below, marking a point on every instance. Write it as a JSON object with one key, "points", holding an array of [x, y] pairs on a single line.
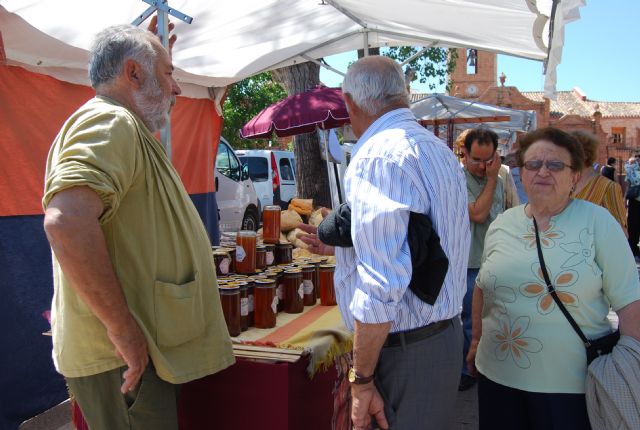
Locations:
{"points": [[72, 225]]}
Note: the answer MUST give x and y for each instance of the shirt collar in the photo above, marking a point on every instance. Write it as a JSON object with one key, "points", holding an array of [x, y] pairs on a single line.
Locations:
{"points": [[380, 123]]}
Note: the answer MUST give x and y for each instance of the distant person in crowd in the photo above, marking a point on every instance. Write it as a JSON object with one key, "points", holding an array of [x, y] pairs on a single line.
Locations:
{"points": [[135, 311], [596, 188], [486, 195], [517, 180], [609, 171], [531, 363], [632, 168], [404, 373]]}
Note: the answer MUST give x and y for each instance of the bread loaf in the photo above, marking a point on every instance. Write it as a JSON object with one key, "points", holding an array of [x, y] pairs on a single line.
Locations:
{"points": [[316, 217], [289, 220], [302, 206], [292, 237]]}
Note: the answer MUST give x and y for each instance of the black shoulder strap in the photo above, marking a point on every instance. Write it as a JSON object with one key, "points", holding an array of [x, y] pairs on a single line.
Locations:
{"points": [[553, 293]]}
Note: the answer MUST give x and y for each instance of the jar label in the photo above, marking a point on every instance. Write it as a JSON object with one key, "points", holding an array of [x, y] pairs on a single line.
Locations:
{"points": [[240, 254], [308, 286], [244, 306], [301, 290], [251, 308], [280, 291], [274, 304], [269, 258], [224, 265]]}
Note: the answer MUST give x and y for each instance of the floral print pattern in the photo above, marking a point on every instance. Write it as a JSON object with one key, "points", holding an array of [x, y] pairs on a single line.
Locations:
{"points": [[581, 252], [511, 342], [547, 238], [538, 288], [497, 295]]}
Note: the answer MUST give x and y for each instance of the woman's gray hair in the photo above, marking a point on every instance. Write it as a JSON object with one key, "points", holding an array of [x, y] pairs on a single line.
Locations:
{"points": [[113, 46], [375, 83]]}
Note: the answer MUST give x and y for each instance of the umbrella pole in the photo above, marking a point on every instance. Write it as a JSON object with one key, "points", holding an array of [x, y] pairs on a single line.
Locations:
{"points": [[326, 156]]}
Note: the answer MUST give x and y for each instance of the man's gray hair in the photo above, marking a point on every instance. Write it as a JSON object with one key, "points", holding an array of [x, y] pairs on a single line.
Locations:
{"points": [[375, 83], [113, 46]]}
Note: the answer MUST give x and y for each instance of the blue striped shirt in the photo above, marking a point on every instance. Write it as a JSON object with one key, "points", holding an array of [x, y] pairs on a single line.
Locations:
{"points": [[399, 167]]}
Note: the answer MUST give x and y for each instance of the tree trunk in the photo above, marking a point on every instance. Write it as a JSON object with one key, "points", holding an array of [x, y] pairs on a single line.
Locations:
{"points": [[311, 170]]}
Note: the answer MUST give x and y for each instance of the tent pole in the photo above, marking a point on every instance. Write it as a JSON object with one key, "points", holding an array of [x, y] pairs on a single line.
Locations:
{"points": [[326, 156], [366, 43]]}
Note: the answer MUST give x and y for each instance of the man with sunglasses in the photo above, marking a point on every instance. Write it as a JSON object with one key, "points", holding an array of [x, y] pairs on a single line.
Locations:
{"points": [[485, 192]]}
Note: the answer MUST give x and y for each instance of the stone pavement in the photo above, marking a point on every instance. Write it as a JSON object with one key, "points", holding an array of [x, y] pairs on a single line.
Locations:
{"points": [[466, 415]]}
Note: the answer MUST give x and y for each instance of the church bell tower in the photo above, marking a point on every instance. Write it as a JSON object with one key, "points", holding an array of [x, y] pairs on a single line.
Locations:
{"points": [[475, 71]]}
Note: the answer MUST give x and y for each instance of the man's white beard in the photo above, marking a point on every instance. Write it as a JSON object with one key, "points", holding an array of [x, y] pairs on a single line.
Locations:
{"points": [[152, 106]]}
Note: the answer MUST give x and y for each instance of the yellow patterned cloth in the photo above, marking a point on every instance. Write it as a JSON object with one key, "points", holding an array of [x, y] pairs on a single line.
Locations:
{"points": [[318, 330], [608, 194]]}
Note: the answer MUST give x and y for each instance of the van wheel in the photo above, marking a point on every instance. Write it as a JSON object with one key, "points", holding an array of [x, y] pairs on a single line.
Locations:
{"points": [[250, 220]]}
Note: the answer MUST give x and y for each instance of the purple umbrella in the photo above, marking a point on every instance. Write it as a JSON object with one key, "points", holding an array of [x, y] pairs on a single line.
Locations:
{"points": [[300, 113]]}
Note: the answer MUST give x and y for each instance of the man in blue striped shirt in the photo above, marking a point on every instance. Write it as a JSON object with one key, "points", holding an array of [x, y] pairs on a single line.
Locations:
{"points": [[407, 353]]}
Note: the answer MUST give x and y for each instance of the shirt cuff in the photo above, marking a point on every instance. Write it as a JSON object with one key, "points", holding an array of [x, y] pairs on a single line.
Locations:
{"points": [[370, 310]]}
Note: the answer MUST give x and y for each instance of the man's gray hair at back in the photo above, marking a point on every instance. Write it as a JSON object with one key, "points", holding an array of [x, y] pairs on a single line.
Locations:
{"points": [[113, 46], [375, 83]]}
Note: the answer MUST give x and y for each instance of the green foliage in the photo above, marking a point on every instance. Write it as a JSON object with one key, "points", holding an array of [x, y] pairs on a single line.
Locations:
{"points": [[432, 67], [244, 101]]}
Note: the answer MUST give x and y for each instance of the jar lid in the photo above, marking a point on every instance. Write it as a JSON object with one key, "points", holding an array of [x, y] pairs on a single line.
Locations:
{"points": [[272, 208], [229, 287], [220, 252], [307, 267], [327, 266], [265, 283], [261, 248], [284, 244], [292, 271]]}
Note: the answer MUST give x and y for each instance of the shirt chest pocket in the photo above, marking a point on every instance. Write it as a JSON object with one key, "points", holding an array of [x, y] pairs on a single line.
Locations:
{"points": [[179, 313]]}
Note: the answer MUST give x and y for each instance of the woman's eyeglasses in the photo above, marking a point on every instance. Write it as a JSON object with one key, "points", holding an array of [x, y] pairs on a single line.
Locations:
{"points": [[551, 165]]}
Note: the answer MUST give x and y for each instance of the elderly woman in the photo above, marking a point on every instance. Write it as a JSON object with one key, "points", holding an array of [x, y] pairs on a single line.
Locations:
{"points": [[594, 187], [531, 362]]}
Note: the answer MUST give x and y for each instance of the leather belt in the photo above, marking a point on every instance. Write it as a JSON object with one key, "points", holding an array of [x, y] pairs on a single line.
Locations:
{"points": [[416, 334]]}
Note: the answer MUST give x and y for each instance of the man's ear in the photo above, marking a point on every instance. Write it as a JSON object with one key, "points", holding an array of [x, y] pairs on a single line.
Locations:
{"points": [[351, 106], [133, 73]]}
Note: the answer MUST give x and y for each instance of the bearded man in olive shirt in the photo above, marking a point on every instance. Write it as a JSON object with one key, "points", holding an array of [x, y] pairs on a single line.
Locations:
{"points": [[135, 311]]}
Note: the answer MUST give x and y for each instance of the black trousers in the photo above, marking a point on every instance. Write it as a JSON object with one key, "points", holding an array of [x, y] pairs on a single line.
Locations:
{"points": [[633, 222], [505, 408]]}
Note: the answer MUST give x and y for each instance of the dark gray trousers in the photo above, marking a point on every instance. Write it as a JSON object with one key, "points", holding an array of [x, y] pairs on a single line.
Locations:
{"points": [[419, 381]]}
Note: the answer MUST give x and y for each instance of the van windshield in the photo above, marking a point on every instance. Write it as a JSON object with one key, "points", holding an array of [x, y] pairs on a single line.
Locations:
{"points": [[258, 168]]}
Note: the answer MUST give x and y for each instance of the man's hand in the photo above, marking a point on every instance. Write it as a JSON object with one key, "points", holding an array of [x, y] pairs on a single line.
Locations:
{"points": [[311, 239], [494, 167], [131, 346], [365, 403], [153, 27]]}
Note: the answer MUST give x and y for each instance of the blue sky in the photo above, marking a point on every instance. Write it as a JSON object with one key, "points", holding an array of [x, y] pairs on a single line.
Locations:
{"points": [[601, 55]]}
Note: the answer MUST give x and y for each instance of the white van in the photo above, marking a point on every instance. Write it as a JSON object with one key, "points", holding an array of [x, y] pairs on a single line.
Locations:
{"points": [[238, 205], [273, 174]]}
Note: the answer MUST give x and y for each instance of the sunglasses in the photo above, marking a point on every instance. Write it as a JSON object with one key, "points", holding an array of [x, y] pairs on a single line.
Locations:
{"points": [[477, 162], [551, 165]]}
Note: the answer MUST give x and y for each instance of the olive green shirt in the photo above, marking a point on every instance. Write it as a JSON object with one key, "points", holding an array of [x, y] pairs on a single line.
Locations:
{"points": [[158, 246], [475, 185]]}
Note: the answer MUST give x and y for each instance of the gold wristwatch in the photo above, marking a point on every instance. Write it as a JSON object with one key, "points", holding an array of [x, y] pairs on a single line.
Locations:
{"points": [[354, 378]]}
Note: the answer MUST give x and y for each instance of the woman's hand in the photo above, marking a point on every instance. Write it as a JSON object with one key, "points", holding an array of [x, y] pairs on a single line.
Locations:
{"points": [[471, 358]]}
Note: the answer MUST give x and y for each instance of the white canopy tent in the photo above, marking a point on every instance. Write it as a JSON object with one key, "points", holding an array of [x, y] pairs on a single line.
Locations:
{"points": [[230, 40], [442, 108]]}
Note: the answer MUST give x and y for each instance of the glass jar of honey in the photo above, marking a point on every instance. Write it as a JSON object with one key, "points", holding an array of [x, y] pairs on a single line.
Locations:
{"points": [[222, 260], [244, 305], [266, 303], [232, 255], [230, 300], [251, 298], [293, 291], [308, 273], [284, 253], [270, 255], [246, 252], [271, 224], [327, 291], [261, 257]]}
